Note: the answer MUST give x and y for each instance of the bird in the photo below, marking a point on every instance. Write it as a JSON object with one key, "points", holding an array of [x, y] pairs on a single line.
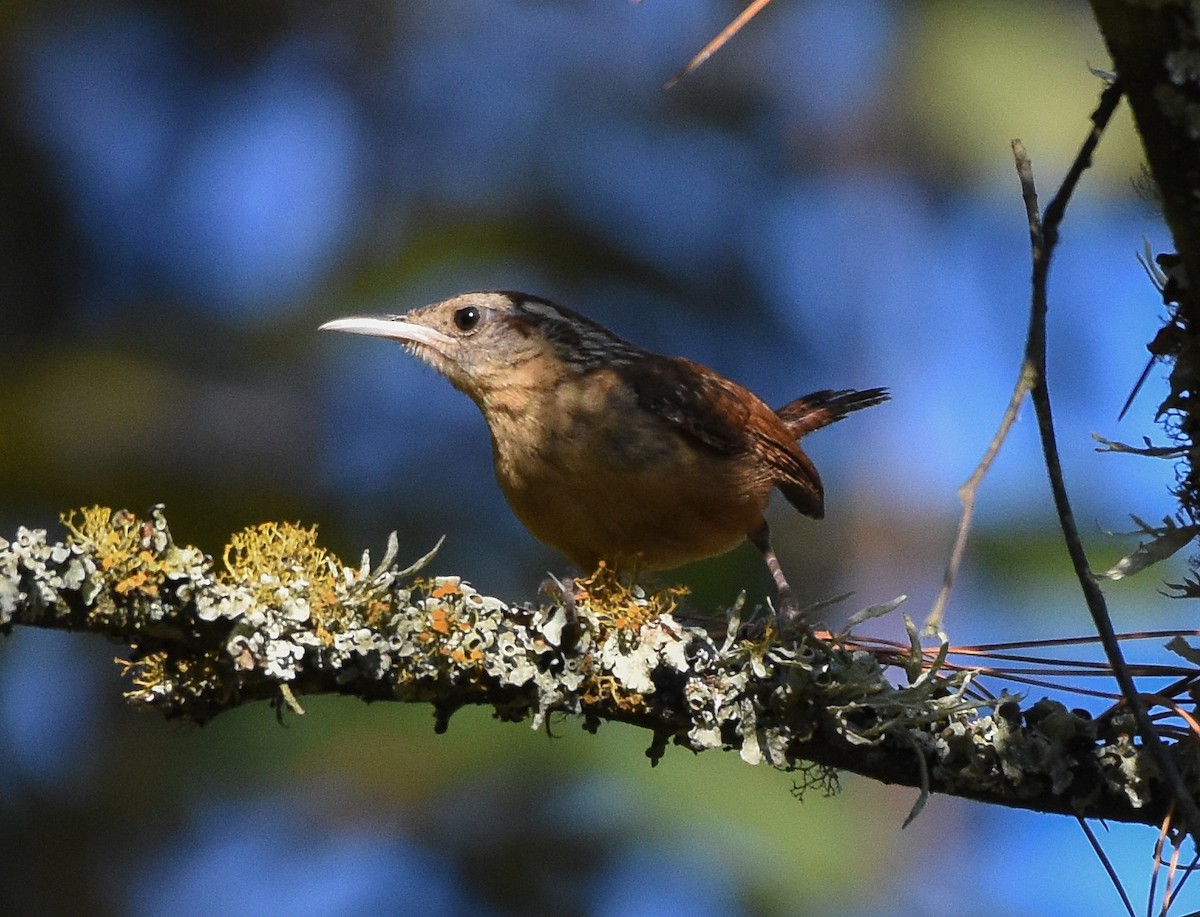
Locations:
{"points": [[612, 453]]}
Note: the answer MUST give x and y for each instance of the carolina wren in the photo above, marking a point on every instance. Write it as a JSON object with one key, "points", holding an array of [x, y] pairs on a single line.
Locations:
{"points": [[609, 452]]}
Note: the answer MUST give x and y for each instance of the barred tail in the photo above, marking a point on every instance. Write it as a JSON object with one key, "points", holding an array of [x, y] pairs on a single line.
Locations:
{"points": [[820, 409]]}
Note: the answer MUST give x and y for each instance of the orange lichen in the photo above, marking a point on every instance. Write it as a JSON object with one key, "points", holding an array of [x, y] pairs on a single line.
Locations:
{"points": [[617, 605], [120, 542], [440, 621], [375, 612], [602, 689], [277, 556], [159, 673], [473, 656], [445, 590]]}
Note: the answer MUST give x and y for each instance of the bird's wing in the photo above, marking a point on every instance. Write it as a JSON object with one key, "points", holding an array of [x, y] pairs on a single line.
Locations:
{"points": [[699, 403], [730, 420]]}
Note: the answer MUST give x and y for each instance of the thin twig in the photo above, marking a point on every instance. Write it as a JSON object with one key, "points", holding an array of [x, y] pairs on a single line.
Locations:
{"points": [[1107, 864], [1187, 874], [1080, 640], [1040, 642], [718, 42], [1152, 891], [967, 494], [1169, 893], [1044, 238]]}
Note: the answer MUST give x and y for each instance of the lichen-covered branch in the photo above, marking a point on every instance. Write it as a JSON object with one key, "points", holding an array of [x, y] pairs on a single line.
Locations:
{"points": [[280, 617]]}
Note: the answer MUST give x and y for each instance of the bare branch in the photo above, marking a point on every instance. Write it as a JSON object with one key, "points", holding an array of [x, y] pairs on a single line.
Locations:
{"points": [[968, 493], [1164, 541], [1044, 238], [753, 9], [1149, 450]]}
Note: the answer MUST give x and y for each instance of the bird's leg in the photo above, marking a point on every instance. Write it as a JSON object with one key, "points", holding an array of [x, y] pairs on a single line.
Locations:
{"points": [[788, 619]]}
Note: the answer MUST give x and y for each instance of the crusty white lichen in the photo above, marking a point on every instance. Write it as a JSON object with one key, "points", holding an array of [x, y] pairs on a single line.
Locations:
{"points": [[279, 617]]}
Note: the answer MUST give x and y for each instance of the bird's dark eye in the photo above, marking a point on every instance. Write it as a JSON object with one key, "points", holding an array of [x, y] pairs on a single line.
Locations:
{"points": [[466, 318]]}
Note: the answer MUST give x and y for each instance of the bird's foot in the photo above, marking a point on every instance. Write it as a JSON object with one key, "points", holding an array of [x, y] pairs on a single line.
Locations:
{"points": [[791, 624]]}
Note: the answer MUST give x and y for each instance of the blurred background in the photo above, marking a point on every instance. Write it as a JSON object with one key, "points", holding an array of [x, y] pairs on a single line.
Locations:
{"points": [[188, 190]]}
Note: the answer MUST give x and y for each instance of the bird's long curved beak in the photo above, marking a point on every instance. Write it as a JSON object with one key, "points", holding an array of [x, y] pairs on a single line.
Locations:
{"points": [[395, 329]]}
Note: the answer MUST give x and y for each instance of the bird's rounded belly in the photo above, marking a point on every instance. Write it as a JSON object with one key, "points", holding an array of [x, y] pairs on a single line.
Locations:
{"points": [[650, 504]]}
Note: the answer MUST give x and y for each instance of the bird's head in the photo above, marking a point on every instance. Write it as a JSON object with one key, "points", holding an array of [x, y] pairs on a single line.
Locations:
{"points": [[484, 341]]}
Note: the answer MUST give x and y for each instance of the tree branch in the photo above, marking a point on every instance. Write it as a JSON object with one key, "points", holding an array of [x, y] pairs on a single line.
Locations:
{"points": [[1155, 48], [284, 618], [1043, 240]]}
